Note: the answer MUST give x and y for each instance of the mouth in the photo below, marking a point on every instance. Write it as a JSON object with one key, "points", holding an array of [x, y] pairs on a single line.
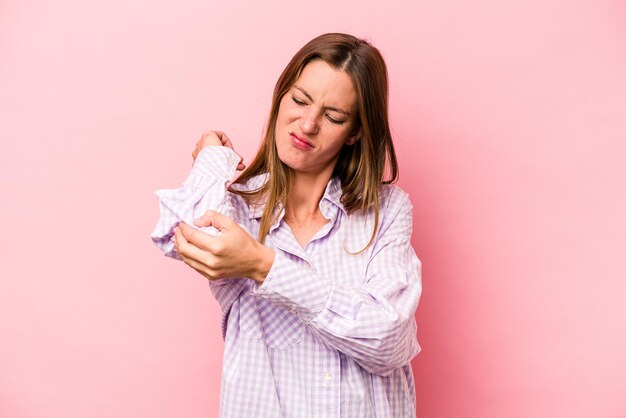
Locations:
{"points": [[300, 142]]}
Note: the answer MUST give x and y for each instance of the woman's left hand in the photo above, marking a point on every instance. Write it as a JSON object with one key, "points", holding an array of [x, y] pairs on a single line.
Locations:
{"points": [[233, 253]]}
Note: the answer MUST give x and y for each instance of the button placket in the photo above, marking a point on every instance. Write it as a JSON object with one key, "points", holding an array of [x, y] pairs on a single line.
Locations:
{"points": [[328, 380]]}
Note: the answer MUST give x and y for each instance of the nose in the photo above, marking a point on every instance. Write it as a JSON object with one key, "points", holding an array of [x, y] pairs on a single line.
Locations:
{"points": [[309, 121]]}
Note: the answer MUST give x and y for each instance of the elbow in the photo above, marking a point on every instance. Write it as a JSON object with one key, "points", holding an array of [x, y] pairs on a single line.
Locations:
{"points": [[391, 355], [385, 366]]}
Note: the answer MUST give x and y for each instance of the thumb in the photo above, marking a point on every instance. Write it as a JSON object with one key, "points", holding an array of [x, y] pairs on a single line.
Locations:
{"points": [[214, 219]]}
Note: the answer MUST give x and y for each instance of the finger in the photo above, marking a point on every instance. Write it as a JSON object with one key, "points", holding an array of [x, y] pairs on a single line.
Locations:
{"points": [[199, 146], [181, 245], [198, 238], [241, 165], [179, 241], [224, 139], [215, 219], [187, 242], [195, 152], [200, 268], [205, 271], [201, 260], [218, 134], [227, 143]]}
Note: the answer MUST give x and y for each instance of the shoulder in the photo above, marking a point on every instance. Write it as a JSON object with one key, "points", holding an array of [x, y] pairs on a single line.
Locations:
{"points": [[393, 199], [395, 210]]}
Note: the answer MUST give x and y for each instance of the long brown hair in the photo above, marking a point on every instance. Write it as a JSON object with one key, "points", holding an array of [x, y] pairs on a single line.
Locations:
{"points": [[361, 166]]}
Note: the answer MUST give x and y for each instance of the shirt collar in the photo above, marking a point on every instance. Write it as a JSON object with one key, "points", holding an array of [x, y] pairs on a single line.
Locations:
{"points": [[332, 194]]}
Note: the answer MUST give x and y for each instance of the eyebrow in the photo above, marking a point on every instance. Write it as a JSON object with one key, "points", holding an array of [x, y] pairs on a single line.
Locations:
{"points": [[334, 109]]}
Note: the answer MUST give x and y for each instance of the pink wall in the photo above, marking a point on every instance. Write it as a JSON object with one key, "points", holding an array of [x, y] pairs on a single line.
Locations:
{"points": [[510, 121]]}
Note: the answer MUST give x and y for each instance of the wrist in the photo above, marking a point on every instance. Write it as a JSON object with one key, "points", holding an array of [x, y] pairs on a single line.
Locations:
{"points": [[264, 265]]}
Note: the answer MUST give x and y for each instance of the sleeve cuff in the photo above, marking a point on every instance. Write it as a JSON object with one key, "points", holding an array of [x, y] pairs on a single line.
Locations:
{"points": [[210, 163]]}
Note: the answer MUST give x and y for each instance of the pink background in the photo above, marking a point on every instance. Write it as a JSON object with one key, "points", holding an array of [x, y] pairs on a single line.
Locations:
{"points": [[510, 123]]}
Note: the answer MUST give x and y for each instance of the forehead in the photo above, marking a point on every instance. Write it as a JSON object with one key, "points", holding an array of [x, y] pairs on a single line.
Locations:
{"points": [[331, 86]]}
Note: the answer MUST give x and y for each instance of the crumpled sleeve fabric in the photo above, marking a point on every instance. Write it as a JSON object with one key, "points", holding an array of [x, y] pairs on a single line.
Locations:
{"points": [[203, 190], [374, 323]]}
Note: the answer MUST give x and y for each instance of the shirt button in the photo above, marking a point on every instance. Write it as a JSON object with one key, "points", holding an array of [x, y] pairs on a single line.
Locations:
{"points": [[329, 376]]}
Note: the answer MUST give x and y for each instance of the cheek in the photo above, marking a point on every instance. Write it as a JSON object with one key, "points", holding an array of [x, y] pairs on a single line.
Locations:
{"points": [[283, 111], [288, 112]]}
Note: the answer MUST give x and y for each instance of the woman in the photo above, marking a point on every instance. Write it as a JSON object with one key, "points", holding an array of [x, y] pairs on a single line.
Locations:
{"points": [[308, 252]]}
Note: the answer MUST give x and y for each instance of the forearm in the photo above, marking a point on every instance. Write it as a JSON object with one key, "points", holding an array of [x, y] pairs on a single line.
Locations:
{"points": [[372, 325]]}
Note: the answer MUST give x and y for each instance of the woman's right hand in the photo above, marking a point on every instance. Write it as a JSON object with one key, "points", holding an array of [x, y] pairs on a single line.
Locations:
{"points": [[215, 138]]}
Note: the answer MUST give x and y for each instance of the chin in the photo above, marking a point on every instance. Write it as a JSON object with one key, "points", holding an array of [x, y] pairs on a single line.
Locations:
{"points": [[285, 155], [294, 165]]}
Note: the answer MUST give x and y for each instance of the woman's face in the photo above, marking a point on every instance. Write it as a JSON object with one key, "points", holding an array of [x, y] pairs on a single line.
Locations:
{"points": [[316, 117]]}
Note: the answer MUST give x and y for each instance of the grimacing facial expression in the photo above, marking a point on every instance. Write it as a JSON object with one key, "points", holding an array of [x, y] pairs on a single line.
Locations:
{"points": [[316, 117]]}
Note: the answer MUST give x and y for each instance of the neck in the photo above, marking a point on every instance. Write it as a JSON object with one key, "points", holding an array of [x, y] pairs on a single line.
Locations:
{"points": [[305, 195]]}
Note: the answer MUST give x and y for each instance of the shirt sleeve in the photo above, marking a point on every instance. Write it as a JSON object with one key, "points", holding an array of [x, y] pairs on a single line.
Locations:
{"points": [[374, 323], [204, 189]]}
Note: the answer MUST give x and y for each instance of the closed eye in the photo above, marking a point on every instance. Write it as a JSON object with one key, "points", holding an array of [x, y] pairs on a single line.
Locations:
{"points": [[330, 118], [297, 101], [335, 121]]}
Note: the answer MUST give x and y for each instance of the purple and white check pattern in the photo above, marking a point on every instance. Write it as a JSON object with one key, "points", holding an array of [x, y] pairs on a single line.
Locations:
{"points": [[328, 334]]}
